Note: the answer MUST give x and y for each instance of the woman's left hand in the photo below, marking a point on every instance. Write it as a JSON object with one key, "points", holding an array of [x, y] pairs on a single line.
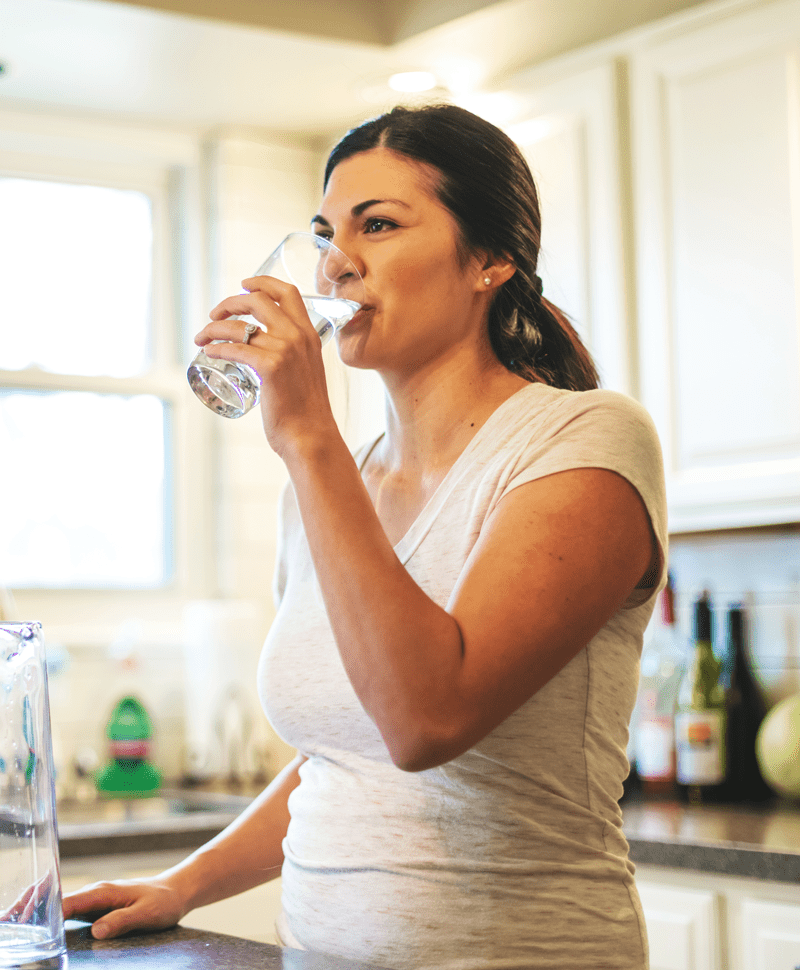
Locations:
{"points": [[287, 356]]}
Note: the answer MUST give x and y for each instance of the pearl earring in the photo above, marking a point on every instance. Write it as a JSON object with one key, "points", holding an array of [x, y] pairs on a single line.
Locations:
{"points": [[487, 280]]}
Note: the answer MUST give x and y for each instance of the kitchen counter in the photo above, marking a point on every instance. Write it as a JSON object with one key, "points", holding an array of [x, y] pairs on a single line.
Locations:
{"points": [[180, 947], [762, 842], [173, 819]]}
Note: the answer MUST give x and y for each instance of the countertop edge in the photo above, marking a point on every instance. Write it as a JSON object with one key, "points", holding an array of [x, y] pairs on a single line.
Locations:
{"points": [[725, 859]]}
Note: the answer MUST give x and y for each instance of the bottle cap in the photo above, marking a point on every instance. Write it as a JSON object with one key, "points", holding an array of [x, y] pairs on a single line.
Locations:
{"points": [[736, 621], [668, 602], [702, 619]]}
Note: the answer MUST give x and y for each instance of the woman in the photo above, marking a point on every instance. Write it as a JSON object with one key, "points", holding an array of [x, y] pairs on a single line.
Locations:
{"points": [[462, 602]]}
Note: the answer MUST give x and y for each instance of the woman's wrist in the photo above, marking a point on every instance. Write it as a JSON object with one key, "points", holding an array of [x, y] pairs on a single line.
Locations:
{"points": [[191, 880], [306, 450]]}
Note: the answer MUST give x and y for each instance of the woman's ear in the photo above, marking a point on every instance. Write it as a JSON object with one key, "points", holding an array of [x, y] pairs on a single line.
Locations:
{"points": [[496, 271]]}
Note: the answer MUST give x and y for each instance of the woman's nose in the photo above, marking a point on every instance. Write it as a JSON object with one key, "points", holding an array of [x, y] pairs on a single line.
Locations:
{"points": [[337, 270]]}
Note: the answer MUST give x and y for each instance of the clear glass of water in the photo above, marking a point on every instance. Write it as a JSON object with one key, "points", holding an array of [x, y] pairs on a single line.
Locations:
{"points": [[31, 921], [333, 292]]}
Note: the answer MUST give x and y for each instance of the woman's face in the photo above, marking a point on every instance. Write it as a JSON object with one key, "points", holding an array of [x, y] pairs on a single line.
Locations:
{"points": [[381, 209]]}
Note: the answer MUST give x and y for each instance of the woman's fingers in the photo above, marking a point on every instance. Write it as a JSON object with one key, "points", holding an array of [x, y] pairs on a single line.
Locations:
{"points": [[287, 297], [266, 299], [232, 330], [120, 907], [32, 899]]}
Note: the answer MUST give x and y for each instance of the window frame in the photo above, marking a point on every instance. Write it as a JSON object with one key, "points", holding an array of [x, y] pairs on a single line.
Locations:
{"points": [[168, 167]]}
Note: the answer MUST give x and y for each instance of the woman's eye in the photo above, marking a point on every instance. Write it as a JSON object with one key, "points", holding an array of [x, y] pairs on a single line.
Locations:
{"points": [[377, 225]]}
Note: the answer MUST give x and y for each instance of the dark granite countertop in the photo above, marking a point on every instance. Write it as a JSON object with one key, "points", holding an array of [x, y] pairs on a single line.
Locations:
{"points": [[762, 842], [180, 947]]}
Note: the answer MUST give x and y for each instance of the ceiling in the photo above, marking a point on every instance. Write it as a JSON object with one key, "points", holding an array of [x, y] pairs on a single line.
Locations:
{"points": [[304, 68], [369, 21]]}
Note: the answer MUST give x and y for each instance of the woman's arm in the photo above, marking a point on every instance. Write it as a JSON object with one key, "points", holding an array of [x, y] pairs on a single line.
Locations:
{"points": [[249, 852], [556, 560]]}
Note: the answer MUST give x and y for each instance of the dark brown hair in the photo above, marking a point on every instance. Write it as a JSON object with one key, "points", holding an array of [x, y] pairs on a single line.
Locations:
{"points": [[487, 186]]}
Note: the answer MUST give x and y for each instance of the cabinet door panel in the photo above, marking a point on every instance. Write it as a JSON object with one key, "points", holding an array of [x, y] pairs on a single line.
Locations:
{"points": [[568, 130], [682, 927], [736, 351], [770, 935], [717, 130]]}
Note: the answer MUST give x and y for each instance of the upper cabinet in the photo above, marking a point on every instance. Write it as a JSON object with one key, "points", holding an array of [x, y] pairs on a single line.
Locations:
{"points": [[716, 167], [568, 131]]}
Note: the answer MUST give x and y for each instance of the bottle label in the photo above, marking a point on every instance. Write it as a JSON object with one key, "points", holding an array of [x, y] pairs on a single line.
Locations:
{"points": [[655, 746], [699, 737]]}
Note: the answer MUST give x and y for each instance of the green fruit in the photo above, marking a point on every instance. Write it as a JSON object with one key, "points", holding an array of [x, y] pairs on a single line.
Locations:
{"points": [[778, 747]]}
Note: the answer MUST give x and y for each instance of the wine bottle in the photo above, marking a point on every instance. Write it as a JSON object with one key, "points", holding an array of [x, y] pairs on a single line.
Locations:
{"points": [[661, 673], [700, 721], [745, 710]]}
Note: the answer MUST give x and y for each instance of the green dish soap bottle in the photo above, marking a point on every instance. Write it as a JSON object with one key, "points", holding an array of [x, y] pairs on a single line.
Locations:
{"points": [[129, 774]]}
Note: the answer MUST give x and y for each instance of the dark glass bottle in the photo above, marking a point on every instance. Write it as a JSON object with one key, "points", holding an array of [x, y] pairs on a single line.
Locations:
{"points": [[700, 717], [745, 710]]}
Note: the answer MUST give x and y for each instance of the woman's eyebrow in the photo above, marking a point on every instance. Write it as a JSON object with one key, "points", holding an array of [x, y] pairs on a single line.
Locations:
{"points": [[359, 209]]}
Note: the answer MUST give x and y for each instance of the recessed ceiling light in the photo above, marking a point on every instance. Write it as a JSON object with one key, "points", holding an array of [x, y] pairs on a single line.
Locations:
{"points": [[412, 81]]}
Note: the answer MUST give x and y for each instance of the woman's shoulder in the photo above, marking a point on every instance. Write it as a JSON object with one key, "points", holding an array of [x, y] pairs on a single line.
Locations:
{"points": [[557, 407]]}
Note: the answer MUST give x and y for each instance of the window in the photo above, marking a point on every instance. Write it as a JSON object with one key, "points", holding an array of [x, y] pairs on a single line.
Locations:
{"points": [[76, 267], [86, 480], [89, 379]]}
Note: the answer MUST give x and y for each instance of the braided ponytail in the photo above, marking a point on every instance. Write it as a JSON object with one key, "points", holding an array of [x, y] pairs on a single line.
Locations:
{"points": [[487, 186], [536, 340]]}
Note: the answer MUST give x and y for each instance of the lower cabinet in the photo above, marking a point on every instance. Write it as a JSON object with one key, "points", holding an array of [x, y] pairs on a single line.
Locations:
{"points": [[703, 921], [682, 927]]}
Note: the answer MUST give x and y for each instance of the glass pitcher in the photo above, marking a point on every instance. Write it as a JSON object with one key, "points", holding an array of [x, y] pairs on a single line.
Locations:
{"points": [[31, 921]]}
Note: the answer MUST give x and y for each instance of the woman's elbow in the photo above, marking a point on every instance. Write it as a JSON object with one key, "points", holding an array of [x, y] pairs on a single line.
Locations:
{"points": [[418, 750]]}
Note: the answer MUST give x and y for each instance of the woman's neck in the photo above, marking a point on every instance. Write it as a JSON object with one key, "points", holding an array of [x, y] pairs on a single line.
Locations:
{"points": [[433, 416]]}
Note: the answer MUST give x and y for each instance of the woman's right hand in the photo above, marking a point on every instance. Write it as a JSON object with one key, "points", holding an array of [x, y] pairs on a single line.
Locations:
{"points": [[124, 905]]}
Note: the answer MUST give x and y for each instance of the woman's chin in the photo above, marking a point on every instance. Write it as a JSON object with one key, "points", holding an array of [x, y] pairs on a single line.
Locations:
{"points": [[352, 347]]}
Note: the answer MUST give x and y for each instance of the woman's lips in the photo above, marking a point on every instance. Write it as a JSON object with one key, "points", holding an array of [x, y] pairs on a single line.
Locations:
{"points": [[360, 314]]}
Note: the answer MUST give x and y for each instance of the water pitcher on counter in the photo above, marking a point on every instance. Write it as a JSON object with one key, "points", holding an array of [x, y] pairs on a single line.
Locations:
{"points": [[31, 921]]}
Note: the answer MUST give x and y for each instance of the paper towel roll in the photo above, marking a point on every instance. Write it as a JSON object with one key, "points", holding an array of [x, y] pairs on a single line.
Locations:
{"points": [[221, 643]]}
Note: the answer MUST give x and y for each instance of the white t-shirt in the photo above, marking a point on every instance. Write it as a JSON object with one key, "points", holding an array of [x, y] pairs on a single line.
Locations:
{"points": [[511, 855]]}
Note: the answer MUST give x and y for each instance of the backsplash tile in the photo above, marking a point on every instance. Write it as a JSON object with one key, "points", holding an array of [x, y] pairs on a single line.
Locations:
{"points": [[759, 568]]}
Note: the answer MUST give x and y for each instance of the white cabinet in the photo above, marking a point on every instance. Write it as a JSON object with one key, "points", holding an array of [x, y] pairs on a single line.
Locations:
{"points": [[770, 935], [716, 160], [568, 130], [704, 921], [682, 927]]}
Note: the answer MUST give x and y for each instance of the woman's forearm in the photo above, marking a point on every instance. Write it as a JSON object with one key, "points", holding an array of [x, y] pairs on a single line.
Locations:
{"points": [[246, 854], [402, 652]]}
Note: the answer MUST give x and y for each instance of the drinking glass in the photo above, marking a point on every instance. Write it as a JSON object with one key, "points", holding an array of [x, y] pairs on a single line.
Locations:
{"points": [[31, 922], [332, 291]]}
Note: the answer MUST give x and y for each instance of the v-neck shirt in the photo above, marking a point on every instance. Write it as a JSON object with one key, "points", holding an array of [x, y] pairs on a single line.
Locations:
{"points": [[511, 855]]}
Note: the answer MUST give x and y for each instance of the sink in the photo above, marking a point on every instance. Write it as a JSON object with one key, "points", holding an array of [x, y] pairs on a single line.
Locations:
{"points": [[172, 818]]}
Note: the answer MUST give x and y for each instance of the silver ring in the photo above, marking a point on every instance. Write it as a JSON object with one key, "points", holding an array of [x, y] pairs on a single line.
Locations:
{"points": [[249, 330]]}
